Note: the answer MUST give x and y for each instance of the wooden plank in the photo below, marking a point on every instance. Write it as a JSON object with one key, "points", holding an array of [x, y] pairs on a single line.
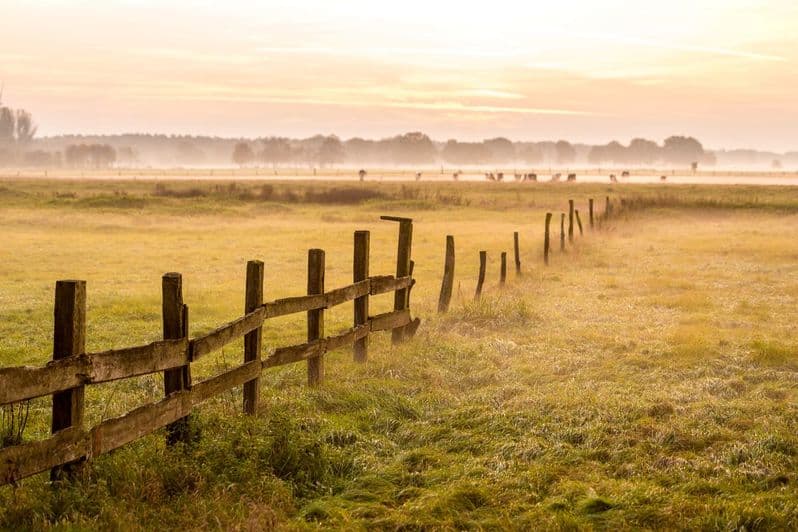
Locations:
{"points": [[390, 320], [20, 461], [294, 353], [227, 333], [292, 305], [400, 301], [140, 360], [388, 283], [237, 376], [25, 382], [395, 219], [114, 433], [347, 293]]}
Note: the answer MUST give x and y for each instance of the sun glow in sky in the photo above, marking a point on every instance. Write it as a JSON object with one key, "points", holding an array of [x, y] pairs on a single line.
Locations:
{"points": [[725, 71]]}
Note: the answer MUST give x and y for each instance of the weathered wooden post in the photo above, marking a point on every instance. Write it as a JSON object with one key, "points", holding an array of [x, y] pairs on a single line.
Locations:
{"points": [[503, 272], [448, 276], [590, 209], [175, 327], [360, 272], [315, 316], [562, 231], [547, 239], [252, 340], [578, 222], [69, 340], [483, 265], [517, 252], [607, 207], [570, 220], [401, 301]]}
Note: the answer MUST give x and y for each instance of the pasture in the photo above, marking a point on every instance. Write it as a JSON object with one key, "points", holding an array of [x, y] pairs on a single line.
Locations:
{"points": [[646, 378]]}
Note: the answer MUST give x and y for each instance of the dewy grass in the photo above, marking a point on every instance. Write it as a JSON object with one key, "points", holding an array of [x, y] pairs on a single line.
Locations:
{"points": [[644, 380]]}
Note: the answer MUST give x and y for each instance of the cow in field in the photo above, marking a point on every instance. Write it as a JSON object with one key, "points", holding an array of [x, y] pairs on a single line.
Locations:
{"points": [[490, 176], [362, 174], [571, 177], [556, 177], [418, 176], [613, 179], [625, 174], [456, 176], [663, 178], [530, 177], [500, 176]]}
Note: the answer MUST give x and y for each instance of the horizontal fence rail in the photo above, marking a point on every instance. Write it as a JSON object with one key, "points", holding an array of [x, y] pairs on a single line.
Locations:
{"points": [[72, 444]]}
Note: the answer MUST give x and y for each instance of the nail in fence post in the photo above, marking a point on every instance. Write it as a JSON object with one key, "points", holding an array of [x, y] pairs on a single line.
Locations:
{"points": [[570, 220], [562, 231], [252, 340], [448, 276], [547, 239], [590, 209], [483, 265], [316, 316], [517, 251], [503, 273], [360, 272], [578, 222], [175, 327], [69, 339]]}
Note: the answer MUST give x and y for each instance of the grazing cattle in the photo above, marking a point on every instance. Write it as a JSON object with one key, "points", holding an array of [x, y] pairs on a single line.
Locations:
{"points": [[418, 176], [556, 177], [624, 174], [571, 177], [500, 176], [663, 178], [361, 174], [456, 175], [613, 179], [530, 177], [490, 177]]}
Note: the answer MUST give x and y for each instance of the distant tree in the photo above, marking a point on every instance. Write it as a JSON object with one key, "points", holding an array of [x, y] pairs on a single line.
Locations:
{"points": [[412, 148], [530, 154], [25, 128], [682, 150], [7, 125], [243, 154], [331, 151], [90, 155], [501, 149], [465, 152], [614, 152], [565, 152], [643, 151], [275, 151]]}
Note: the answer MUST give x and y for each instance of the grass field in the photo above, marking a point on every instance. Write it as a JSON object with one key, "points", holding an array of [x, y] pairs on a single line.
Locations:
{"points": [[646, 379]]}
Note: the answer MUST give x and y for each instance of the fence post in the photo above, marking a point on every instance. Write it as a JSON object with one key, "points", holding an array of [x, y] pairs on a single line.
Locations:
{"points": [[590, 209], [579, 222], [401, 300], [69, 339], [360, 272], [175, 327], [503, 273], [562, 231], [607, 207], [517, 251], [252, 340], [570, 220], [448, 276], [483, 266], [316, 316], [546, 239]]}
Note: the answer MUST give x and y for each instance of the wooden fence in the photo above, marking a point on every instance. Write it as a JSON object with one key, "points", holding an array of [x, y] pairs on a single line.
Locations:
{"points": [[72, 369]]}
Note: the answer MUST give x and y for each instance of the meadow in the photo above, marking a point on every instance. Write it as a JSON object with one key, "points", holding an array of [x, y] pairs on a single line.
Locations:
{"points": [[645, 379]]}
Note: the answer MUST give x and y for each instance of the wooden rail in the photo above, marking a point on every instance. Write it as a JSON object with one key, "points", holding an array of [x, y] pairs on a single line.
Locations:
{"points": [[72, 369]]}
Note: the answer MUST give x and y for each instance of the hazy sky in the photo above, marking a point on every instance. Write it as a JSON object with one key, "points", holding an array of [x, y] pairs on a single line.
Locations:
{"points": [[725, 71]]}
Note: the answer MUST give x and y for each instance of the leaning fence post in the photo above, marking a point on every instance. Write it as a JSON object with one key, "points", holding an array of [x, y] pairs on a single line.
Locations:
{"points": [[448, 276], [360, 272], [69, 340], [578, 222], [252, 340], [546, 240], [570, 220], [315, 316], [175, 327], [483, 265], [503, 273], [562, 231], [517, 252], [401, 300], [590, 211]]}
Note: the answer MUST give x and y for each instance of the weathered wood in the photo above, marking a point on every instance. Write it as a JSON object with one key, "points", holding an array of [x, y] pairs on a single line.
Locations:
{"points": [[292, 305], [517, 253], [347, 293], [174, 327], [448, 276], [483, 266], [114, 433], [399, 219], [547, 239], [316, 348], [69, 340], [388, 283], [562, 231], [390, 320], [578, 222], [402, 270], [503, 269], [607, 207], [64, 447], [360, 272], [590, 211], [315, 317], [570, 220], [253, 300], [25, 382], [227, 333], [243, 374]]}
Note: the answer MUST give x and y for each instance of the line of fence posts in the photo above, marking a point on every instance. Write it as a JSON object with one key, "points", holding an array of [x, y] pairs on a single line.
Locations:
{"points": [[573, 215]]}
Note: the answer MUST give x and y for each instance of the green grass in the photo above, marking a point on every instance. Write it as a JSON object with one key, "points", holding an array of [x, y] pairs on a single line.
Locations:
{"points": [[646, 379]]}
